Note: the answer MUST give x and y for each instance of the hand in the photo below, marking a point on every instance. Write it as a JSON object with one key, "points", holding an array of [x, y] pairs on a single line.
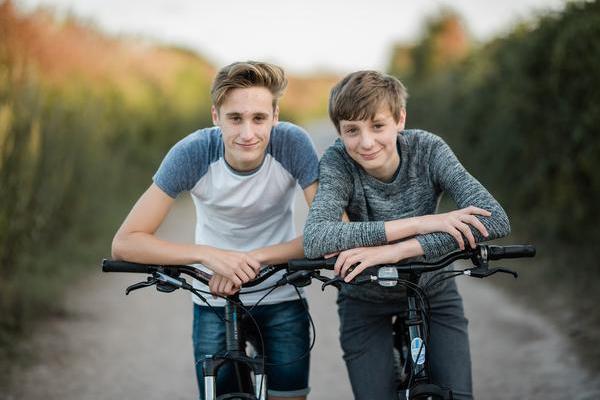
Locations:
{"points": [[236, 266], [219, 285], [457, 223], [365, 257]]}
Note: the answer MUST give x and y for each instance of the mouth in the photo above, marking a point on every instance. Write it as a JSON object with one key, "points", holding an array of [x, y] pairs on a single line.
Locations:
{"points": [[370, 156], [247, 145]]}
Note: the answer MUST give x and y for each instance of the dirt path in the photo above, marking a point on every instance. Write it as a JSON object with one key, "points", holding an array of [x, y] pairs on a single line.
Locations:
{"points": [[108, 346]]}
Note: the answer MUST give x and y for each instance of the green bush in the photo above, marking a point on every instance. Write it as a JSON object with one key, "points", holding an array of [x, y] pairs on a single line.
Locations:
{"points": [[522, 113]]}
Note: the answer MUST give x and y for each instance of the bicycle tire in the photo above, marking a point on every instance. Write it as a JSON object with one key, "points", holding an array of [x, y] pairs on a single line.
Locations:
{"points": [[426, 392], [237, 396]]}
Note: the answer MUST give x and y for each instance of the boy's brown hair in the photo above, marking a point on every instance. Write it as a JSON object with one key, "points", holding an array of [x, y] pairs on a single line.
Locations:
{"points": [[360, 95], [245, 75]]}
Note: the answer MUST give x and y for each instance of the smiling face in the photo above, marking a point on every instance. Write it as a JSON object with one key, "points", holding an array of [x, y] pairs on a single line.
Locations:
{"points": [[246, 118], [372, 142]]}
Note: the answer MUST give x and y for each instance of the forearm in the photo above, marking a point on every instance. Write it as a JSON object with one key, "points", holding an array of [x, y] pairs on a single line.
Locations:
{"points": [[409, 248], [147, 248], [279, 253], [437, 244], [331, 236], [401, 229]]}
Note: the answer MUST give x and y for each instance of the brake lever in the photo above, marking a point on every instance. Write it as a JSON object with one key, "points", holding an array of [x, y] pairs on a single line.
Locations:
{"points": [[140, 285], [482, 272], [336, 282]]}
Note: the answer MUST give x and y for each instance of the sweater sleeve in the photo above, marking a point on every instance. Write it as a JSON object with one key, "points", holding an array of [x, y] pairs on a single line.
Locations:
{"points": [[324, 231], [448, 174]]}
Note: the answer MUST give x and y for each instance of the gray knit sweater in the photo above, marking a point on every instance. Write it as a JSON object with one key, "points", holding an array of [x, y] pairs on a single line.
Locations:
{"points": [[428, 168]]}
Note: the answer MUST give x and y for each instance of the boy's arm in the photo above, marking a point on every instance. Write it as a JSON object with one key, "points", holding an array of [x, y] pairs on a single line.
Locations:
{"points": [[280, 253], [325, 231], [136, 241], [451, 177]]}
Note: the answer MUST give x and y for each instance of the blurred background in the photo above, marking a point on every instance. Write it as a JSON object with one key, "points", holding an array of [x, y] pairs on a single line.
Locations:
{"points": [[93, 94]]}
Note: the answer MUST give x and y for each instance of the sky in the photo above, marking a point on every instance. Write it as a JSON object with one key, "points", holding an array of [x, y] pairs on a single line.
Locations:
{"points": [[303, 36]]}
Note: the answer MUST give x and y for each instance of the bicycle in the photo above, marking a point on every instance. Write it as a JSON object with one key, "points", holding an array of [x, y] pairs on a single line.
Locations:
{"points": [[249, 368], [410, 332], [413, 378]]}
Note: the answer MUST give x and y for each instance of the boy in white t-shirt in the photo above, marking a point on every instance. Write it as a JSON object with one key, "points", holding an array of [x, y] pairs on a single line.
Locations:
{"points": [[242, 176]]}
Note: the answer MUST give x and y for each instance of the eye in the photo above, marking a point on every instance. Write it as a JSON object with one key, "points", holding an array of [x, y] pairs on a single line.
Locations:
{"points": [[351, 131], [235, 119], [378, 127], [260, 119]]}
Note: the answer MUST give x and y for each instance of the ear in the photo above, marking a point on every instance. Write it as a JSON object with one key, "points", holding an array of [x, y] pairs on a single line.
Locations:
{"points": [[402, 120], [276, 115], [214, 114]]}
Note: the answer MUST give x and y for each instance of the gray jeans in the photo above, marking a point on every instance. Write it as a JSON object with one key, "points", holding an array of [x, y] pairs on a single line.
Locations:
{"points": [[366, 339]]}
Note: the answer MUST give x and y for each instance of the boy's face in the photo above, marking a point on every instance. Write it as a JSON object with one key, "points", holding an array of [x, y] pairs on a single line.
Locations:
{"points": [[246, 118], [372, 143]]}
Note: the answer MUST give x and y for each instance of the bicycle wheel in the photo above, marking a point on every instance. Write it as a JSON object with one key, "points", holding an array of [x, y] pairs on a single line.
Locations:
{"points": [[237, 396], [426, 392]]}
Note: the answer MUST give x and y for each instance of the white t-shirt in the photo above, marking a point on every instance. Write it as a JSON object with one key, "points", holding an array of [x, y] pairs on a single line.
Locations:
{"points": [[241, 211]]}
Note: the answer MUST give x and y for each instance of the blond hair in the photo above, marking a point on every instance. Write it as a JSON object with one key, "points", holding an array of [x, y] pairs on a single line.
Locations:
{"points": [[360, 95], [245, 75]]}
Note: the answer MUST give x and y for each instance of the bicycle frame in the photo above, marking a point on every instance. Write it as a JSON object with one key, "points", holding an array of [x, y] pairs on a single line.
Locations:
{"points": [[414, 326], [235, 343]]}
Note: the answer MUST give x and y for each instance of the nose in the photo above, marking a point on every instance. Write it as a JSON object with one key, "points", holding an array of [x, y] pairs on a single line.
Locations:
{"points": [[366, 140], [246, 132]]}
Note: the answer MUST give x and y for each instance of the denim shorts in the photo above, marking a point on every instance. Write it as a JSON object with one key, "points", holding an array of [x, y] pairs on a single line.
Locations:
{"points": [[285, 331]]}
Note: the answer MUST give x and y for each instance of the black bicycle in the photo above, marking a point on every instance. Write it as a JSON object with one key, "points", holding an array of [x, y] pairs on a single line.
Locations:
{"points": [[410, 330], [249, 369]]}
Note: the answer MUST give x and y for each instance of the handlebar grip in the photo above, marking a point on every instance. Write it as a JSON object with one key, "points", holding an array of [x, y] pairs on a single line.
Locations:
{"points": [[499, 252], [124, 266], [304, 264]]}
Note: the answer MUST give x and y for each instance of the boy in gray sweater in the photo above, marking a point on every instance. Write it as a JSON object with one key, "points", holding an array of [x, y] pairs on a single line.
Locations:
{"points": [[379, 187]]}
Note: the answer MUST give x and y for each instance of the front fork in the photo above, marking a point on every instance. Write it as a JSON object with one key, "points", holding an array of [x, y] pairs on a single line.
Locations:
{"points": [[418, 352], [422, 387], [235, 344]]}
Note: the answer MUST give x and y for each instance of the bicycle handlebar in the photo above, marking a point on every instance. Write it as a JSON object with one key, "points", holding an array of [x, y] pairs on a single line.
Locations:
{"points": [[305, 264], [202, 276], [479, 255], [490, 252], [499, 252]]}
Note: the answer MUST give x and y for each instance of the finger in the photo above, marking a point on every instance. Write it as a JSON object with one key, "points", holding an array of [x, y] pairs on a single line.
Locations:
{"points": [[231, 289], [224, 287], [349, 263], [213, 285], [458, 237], [357, 270], [235, 279], [245, 272], [254, 264], [478, 211], [227, 287], [466, 231], [330, 255], [477, 224], [340, 262], [249, 270]]}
